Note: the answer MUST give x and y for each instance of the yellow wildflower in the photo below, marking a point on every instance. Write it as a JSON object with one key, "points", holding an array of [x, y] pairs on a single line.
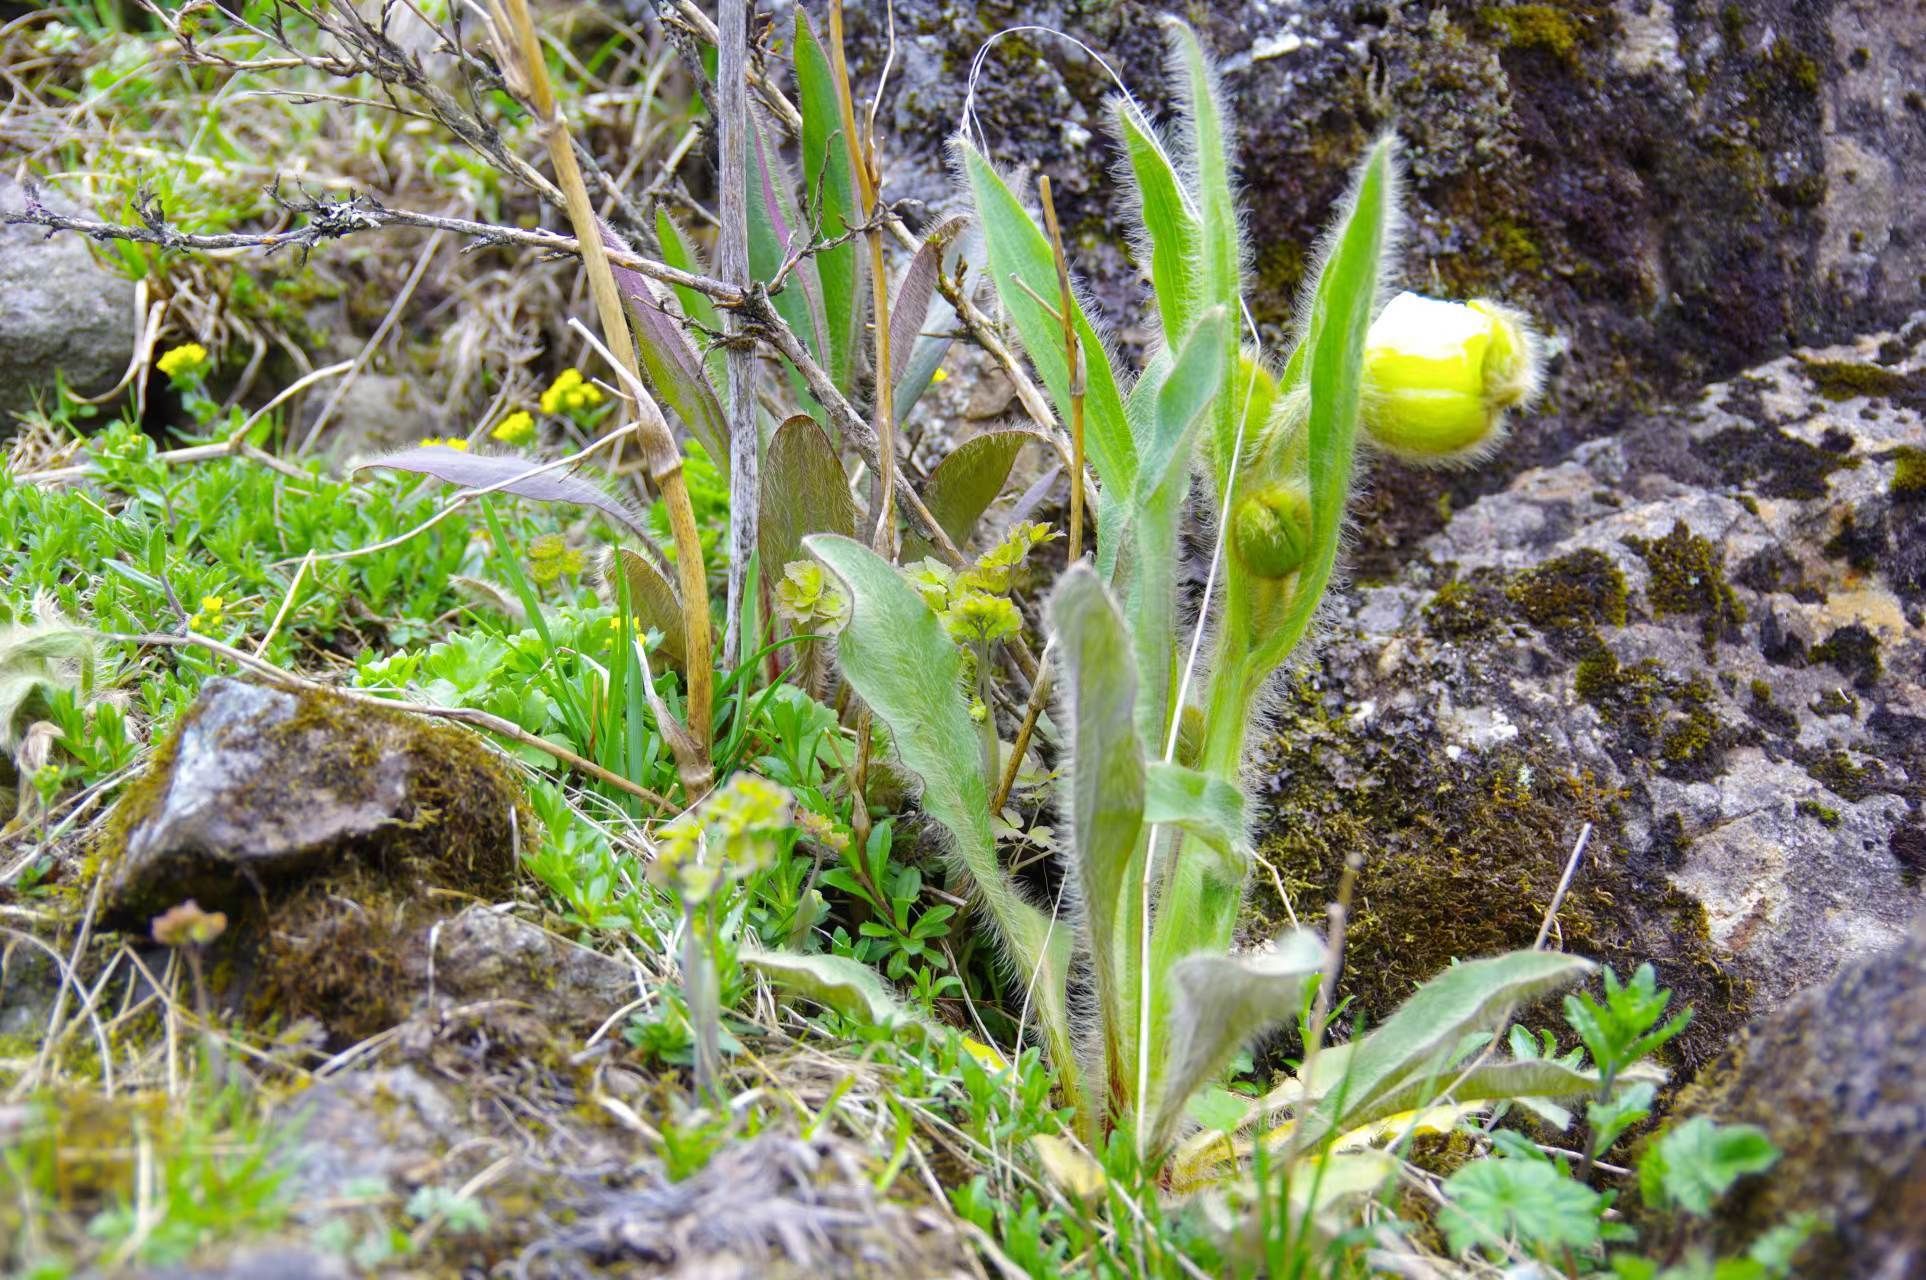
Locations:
{"points": [[570, 393], [183, 361], [446, 442], [517, 428], [941, 375], [1439, 376]]}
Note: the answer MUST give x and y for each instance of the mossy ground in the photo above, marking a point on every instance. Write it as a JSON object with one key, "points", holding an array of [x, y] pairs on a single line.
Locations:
{"points": [[1461, 859]]}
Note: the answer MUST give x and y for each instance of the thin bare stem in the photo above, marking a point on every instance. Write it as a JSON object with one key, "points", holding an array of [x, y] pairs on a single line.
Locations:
{"points": [[732, 264]]}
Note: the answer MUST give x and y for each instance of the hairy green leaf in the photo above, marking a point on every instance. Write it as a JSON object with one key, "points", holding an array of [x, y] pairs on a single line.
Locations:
{"points": [[1019, 251], [776, 229], [1695, 1163], [1169, 223], [1217, 1003], [522, 477], [964, 484], [1419, 1039], [1208, 807], [671, 366], [679, 251], [1332, 355], [1106, 798], [804, 491], [653, 601], [848, 986], [896, 656]]}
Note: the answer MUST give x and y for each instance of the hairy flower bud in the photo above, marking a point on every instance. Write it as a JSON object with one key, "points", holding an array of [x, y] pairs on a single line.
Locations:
{"points": [[1439, 376], [1271, 530]]}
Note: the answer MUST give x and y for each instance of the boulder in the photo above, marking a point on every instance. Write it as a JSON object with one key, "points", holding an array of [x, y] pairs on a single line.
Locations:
{"points": [[60, 311], [260, 788], [1678, 191], [1702, 635], [1837, 1078]]}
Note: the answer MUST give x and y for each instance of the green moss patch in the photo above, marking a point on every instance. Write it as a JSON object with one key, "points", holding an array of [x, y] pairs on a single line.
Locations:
{"points": [[1688, 576], [1583, 589]]}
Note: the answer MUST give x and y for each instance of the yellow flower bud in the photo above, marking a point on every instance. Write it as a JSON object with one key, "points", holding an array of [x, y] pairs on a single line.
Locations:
{"points": [[517, 428], [1439, 376], [1271, 530]]}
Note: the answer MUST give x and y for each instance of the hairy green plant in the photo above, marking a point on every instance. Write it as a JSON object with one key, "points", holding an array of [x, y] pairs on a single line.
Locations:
{"points": [[1158, 858]]}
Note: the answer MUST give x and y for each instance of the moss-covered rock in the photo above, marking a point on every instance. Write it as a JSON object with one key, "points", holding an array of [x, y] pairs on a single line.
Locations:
{"points": [[1837, 1079]]}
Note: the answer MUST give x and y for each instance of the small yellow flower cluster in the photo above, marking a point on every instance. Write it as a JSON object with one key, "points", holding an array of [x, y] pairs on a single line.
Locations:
{"points": [[210, 615], [734, 832], [518, 428], [446, 442], [183, 361], [569, 393]]}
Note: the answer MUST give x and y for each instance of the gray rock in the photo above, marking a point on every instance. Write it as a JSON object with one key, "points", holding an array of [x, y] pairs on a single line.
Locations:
{"points": [[260, 787], [1702, 634], [60, 310], [1837, 1078], [248, 1262], [516, 968], [1678, 190], [377, 413]]}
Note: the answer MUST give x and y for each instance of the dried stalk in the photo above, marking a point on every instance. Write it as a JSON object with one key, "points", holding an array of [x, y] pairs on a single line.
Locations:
{"points": [[732, 264], [659, 452]]}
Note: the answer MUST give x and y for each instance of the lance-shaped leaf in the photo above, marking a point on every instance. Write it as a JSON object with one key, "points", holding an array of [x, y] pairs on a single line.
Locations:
{"points": [[964, 484], [848, 986], [830, 184], [1169, 224], [1419, 1039], [1106, 797], [1219, 260], [918, 349], [522, 477], [671, 366], [894, 653], [679, 251], [804, 491], [653, 601], [1189, 385], [1208, 807], [1019, 251], [910, 301], [1505, 1081], [776, 229], [1217, 1003], [1331, 357]]}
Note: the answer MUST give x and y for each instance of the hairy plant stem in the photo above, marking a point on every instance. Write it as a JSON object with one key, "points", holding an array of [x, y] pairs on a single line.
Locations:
{"points": [[1073, 353], [660, 454]]}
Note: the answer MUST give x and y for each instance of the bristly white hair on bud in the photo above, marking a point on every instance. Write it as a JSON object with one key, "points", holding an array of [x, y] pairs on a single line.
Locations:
{"points": [[1440, 377]]}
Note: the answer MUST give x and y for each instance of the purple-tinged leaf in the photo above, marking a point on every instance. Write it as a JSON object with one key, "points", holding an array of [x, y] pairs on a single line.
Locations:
{"points": [[670, 364], [804, 491], [511, 475]]}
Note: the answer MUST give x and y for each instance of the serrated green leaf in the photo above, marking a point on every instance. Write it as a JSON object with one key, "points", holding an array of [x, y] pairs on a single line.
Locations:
{"points": [[1106, 798], [828, 179], [1696, 1162], [1419, 1039], [1217, 1003], [1018, 250], [1500, 1203]]}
